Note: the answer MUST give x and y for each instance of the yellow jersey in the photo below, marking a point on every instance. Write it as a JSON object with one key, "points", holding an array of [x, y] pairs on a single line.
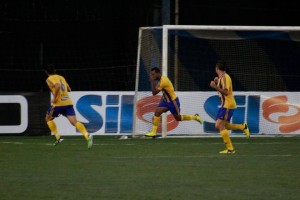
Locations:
{"points": [[226, 83], [166, 86], [63, 98]]}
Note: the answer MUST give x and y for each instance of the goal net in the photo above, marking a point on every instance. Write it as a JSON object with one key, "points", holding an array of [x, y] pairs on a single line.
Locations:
{"points": [[263, 63]]}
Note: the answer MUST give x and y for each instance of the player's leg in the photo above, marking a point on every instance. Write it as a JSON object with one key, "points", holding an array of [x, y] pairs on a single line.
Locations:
{"points": [[69, 112], [175, 110], [223, 117], [225, 135], [50, 115], [155, 120], [80, 127], [191, 117], [246, 130], [243, 127], [229, 126]]}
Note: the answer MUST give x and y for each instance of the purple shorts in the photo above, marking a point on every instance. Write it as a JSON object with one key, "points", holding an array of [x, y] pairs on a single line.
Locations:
{"points": [[173, 106], [225, 114], [62, 110]]}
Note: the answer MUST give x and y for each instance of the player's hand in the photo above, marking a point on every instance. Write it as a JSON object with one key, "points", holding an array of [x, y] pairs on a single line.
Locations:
{"points": [[213, 84], [53, 100], [151, 79], [216, 80]]}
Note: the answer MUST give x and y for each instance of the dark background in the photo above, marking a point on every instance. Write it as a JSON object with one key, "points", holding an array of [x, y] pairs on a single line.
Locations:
{"points": [[94, 43]]}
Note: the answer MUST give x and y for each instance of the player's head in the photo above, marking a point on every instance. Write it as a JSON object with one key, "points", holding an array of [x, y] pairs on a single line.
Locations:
{"points": [[155, 73], [50, 69], [221, 65], [156, 69]]}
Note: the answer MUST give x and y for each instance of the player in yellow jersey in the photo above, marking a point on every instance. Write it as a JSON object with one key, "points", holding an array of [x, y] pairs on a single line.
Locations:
{"points": [[223, 85], [169, 101], [61, 104]]}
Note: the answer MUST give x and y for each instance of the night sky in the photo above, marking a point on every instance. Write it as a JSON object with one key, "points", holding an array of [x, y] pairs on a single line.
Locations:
{"points": [[101, 37]]}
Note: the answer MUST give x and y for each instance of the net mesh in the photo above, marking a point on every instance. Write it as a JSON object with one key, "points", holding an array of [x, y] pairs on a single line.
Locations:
{"points": [[258, 61]]}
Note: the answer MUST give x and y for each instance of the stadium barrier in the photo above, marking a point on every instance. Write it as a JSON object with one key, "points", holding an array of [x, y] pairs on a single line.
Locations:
{"points": [[111, 113], [24, 113]]}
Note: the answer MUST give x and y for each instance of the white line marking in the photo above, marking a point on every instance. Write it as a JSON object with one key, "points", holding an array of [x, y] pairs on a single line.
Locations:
{"points": [[168, 143], [168, 156], [199, 156], [12, 142]]}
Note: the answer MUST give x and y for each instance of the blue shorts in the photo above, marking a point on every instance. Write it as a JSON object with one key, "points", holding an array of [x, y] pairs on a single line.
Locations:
{"points": [[225, 114], [61, 110], [173, 106]]}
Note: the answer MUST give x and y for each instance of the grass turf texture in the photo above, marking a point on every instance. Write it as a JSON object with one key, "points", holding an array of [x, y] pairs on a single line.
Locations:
{"points": [[170, 168]]}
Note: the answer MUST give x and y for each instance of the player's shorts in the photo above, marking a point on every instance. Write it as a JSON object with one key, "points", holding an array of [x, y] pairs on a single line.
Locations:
{"points": [[61, 110], [225, 114], [173, 106]]}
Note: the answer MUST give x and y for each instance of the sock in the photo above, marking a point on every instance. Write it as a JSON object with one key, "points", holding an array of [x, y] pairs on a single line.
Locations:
{"points": [[155, 123], [226, 139], [188, 117], [52, 126], [234, 126], [81, 128]]}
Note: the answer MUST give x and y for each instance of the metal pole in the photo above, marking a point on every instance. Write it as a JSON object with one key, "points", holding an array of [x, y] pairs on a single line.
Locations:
{"points": [[165, 21], [176, 63], [136, 90], [176, 12]]}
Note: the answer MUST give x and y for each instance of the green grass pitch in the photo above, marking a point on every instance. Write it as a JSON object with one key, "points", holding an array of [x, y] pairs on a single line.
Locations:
{"points": [[146, 169]]}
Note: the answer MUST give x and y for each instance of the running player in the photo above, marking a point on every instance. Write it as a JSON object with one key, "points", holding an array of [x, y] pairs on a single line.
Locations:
{"points": [[61, 104], [223, 85], [169, 101]]}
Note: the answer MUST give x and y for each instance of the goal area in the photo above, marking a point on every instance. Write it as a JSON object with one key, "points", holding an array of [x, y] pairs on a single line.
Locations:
{"points": [[263, 62]]}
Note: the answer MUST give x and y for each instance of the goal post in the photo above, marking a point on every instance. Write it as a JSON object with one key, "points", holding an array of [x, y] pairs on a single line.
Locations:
{"points": [[262, 61]]}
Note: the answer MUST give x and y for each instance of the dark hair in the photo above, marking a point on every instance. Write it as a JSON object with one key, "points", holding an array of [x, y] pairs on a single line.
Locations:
{"points": [[156, 69], [221, 65], [50, 69]]}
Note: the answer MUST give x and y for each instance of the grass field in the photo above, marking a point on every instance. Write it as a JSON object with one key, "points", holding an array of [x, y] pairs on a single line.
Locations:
{"points": [[170, 168]]}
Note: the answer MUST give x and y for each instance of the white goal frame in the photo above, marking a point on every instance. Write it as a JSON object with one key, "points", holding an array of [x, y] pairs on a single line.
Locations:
{"points": [[165, 30]]}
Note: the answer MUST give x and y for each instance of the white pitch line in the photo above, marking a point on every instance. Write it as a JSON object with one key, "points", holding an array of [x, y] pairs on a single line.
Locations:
{"points": [[167, 156], [173, 143], [11, 142], [200, 156]]}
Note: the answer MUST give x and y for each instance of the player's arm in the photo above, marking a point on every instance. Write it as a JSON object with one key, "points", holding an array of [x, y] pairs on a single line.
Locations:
{"points": [[216, 87], [55, 92], [50, 85], [216, 80], [68, 88], [67, 85], [154, 89]]}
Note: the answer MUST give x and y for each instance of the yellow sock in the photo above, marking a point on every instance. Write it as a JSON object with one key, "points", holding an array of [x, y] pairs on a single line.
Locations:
{"points": [[52, 126], [234, 126], [155, 123], [226, 139], [81, 128], [187, 117]]}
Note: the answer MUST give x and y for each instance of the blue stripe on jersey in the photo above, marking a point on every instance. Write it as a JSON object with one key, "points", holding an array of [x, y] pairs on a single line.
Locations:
{"points": [[167, 96]]}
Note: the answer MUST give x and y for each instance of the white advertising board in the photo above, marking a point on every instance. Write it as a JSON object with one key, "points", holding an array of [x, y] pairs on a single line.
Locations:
{"points": [[112, 112]]}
